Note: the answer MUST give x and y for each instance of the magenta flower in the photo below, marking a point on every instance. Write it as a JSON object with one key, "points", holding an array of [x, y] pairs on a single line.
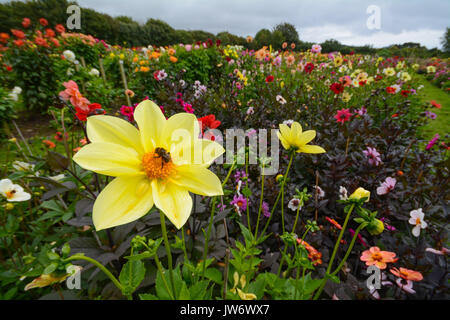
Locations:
{"points": [[373, 156], [387, 186], [127, 112], [432, 142], [188, 108], [239, 202]]}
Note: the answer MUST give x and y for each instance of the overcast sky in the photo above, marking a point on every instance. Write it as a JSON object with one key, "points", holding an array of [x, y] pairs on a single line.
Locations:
{"points": [[421, 21]]}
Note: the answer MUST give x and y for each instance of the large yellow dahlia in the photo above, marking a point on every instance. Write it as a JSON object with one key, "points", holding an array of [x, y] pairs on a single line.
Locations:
{"points": [[159, 164]]}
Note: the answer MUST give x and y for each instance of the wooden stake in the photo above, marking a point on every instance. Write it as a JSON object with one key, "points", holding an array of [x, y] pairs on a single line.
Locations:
{"points": [[102, 69], [124, 79]]}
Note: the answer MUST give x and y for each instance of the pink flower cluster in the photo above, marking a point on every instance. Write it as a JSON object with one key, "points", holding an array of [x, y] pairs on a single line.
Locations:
{"points": [[186, 106]]}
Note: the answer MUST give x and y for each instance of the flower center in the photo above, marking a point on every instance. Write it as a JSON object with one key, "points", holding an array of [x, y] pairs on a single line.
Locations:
{"points": [[157, 164], [377, 257], [418, 221], [10, 194]]}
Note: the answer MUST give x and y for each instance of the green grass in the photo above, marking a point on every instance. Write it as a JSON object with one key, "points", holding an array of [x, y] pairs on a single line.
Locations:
{"points": [[441, 124]]}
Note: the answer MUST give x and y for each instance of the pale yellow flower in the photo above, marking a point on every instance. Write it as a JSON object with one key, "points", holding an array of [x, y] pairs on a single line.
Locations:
{"points": [[294, 138], [159, 164], [360, 193], [389, 72]]}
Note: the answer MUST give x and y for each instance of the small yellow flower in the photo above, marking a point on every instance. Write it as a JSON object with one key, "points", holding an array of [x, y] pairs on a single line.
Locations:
{"points": [[159, 164], [294, 138], [338, 61], [360, 193]]}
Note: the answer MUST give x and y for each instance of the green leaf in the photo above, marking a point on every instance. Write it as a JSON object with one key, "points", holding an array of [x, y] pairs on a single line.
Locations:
{"points": [[184, 293], [132, 274], [148, 296], [214, 275], [334, 278], [198, 290], [50, 268]]}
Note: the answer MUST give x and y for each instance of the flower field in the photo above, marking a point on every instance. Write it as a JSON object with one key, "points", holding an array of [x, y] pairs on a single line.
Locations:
{"points": [[215, 172]]}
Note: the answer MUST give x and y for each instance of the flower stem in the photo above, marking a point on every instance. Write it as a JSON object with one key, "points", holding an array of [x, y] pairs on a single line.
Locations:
{"points": [[260, 201], [336, 246], [352, 243], [278, 197], [169, 253], [213, 209], [98, 265]]}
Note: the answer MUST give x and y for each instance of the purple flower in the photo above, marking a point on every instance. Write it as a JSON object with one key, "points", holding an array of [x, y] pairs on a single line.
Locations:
{"points": [[386, 186], [221, 207], [265, 209], [373, 156], [362, 111], [239, 202], [430, 115], [239, 175], [432, 142]]}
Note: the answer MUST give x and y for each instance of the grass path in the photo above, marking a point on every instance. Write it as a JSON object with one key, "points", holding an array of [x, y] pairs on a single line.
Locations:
{"points": [[441, 124]]}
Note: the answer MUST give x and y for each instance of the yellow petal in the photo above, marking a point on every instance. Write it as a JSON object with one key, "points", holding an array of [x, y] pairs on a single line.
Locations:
{"points": [[306, 137], [113, 130], [201, 152], [124, 200], [197, 179], [109, 159], [174, 201], [151, 122], [181, 128], [296, 129], [311, 149], [286, 132], [285, 144]]}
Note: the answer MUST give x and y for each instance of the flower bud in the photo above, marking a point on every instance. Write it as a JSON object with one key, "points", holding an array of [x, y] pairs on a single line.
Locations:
{"points": [[360, 193], [375, 227]]}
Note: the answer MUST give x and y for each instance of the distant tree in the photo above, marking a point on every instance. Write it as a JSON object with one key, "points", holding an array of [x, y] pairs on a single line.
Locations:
{"points": [[277, 39], [445, 41], [331, 45], [288, 31], [229, 38], [160, 32], [125, 19], [199, 35], [263, 38]]}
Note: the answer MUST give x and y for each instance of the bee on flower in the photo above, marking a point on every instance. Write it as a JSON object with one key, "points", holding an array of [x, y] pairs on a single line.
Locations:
{"points": [[13, 192]]}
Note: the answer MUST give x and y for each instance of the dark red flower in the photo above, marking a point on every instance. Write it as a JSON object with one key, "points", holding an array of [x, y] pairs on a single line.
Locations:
{"points": [[309, 67], [405, 93], [343, 115], [337, 88], [18, 34], [94, 109], [390, 90], [43, 22], [49, 33], [60, 28], [218, 42], [269, 78], [26, 22]]}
